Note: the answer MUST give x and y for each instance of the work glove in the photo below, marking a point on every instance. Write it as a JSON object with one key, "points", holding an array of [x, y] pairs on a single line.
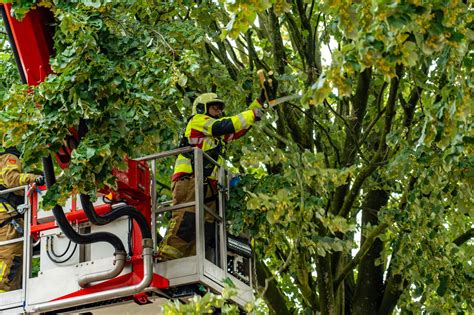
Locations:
{"points": [[39, 181], [258, 112]]}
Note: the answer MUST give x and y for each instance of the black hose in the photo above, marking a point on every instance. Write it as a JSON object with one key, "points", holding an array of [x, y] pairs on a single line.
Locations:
{"points": [[64, 225], [130, 233], [65, 251], [57, 261], [116, 213]]}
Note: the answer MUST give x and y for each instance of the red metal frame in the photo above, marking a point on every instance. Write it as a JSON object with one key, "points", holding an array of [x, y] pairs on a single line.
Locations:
{"points": [[133, 187], [119, 282], [74, 216], [34, 46]]}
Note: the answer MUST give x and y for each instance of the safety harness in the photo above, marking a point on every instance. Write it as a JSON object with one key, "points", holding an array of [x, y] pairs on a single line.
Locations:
{"points": [[10, 198]]}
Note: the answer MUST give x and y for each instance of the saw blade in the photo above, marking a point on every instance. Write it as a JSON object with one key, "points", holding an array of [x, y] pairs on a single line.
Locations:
{"points": [[283, 99]]}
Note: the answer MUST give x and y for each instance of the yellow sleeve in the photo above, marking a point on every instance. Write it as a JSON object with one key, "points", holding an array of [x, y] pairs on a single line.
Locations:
{"points": [[11, 172]]}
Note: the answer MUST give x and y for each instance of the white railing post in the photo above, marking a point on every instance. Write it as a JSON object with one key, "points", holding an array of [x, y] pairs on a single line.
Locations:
{"points": [[199, 198], [223, 189], [26, 247], [153, 202]]}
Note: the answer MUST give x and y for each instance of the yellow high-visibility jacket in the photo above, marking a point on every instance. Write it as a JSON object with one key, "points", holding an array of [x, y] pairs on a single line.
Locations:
{"points": [[11, 175], [211, 135]]}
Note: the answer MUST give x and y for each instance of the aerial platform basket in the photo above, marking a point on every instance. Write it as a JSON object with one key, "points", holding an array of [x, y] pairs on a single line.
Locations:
{"points": [[54, 265]]}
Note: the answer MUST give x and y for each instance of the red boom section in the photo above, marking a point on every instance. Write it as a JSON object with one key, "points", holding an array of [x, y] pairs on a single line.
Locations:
{"points": [[33, 43], [32, 40]]}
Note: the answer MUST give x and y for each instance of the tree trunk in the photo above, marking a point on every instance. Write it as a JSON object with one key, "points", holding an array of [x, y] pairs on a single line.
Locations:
{"points": [[359, 102], [369, 289], [325, 285], [393, 289]]}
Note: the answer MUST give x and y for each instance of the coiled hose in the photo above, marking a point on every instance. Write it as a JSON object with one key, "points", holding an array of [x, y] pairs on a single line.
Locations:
{"points": [[64, 225], [124, 210]]}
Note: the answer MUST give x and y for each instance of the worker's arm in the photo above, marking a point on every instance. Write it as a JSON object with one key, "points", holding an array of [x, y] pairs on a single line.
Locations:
{"points": [[11, 172], [231, 127], [256, 107], [235, 135]]}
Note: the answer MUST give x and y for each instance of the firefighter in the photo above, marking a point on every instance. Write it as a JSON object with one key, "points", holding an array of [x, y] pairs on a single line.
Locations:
{"points": [[209, 131], [11, 223]]}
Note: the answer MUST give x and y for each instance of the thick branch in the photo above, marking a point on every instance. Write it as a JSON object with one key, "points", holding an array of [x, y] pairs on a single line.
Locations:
{"points": [[223, 56], [354, 192], [393, 289], [389, 112], [262, 31], [360, 254], [304, 279], [296, 37], [286, 113], [253, 53], [380, 113], [233, 55], [317, 45], [326, 133], [394, 284], [279, 56], [359, 102], [308, 127], [377, 159], [463, 238], [275, 297], [213, 51], [409, 109], [226, 61]]}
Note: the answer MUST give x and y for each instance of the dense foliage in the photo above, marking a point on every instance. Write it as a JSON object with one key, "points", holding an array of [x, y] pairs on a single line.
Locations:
{"points": [[380, 144]]}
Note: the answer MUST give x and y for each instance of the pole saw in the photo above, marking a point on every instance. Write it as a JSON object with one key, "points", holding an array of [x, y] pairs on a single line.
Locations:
{"points": [[271, 103]]}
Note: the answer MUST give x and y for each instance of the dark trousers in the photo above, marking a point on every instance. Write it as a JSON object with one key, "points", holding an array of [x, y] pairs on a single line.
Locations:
{"points": [[180, 237], [10, 255]]}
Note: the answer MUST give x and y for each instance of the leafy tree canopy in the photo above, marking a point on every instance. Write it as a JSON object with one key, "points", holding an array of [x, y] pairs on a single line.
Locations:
{"points": [[379, 145]]}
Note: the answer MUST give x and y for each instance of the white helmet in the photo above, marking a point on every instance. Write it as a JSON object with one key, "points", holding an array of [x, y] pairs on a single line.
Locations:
{"points": [[202, 102]]}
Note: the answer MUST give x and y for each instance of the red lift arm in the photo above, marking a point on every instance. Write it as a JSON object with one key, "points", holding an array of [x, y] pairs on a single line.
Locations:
{"points": [[32, 43]]}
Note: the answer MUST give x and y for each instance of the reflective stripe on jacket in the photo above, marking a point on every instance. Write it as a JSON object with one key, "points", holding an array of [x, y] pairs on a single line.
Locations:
{"points": [[211, 135]]}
